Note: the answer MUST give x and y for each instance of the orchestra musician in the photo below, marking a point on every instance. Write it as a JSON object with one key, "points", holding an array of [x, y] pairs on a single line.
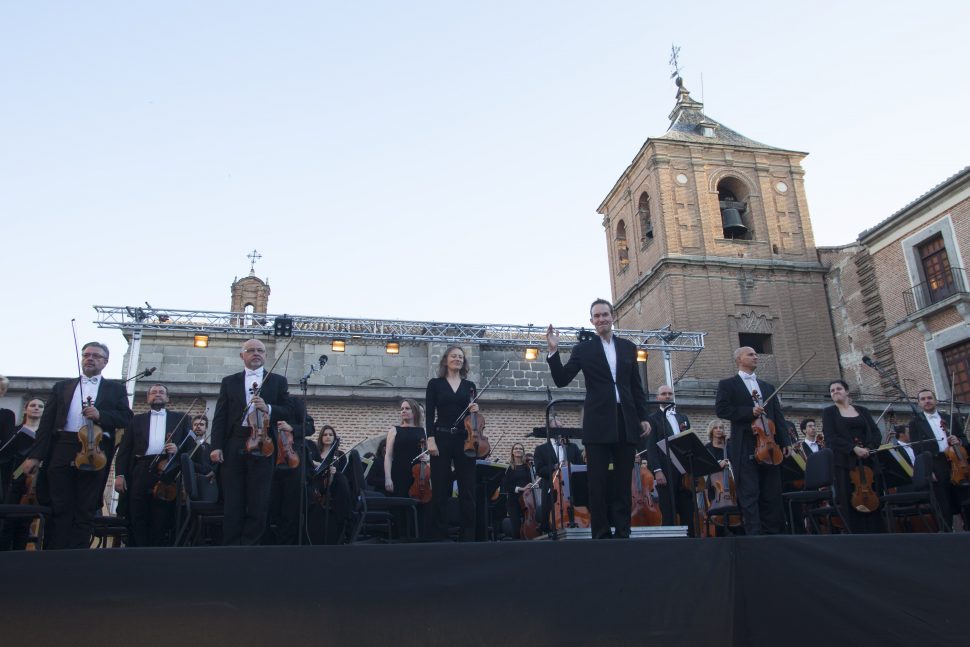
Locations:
{"points": [[200, 457], [76, 495], [517, 476], [284, 499], [330, 495], [615, 415], [810, 443], [548, 457], [8, 428], [928, 425], [758, 485], [717, 444], [17, 445], [153, 435], [246, 478], [402, 448], [666, 423], [446, 397], [851, 433]]}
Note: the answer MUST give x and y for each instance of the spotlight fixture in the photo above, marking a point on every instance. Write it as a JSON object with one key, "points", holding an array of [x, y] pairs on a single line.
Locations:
{"points": [[392, 348], [201, 341], [283, 326], [531, 354], [642, 355], [338, 345]]}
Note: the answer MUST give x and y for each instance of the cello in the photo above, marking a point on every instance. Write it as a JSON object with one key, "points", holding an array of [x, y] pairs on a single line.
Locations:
{"points": [[564, 513], [530, 503], [644, 511]]}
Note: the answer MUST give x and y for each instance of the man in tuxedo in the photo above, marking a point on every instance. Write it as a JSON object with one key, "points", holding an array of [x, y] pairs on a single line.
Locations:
{"points": [[76, 495], [154, 437], [667, 423], [810, 441], [547, 458], [246, 478], [929, 425], [758, 485], [615, 415]]}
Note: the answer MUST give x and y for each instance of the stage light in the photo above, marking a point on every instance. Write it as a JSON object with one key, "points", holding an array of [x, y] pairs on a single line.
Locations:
{"points": [[283, 326], [642, 355], [201, 341], [531, 354], [392, 348], [338, 345]]}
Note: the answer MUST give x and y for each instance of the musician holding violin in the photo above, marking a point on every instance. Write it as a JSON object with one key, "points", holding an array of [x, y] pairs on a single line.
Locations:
{"points": [[244, 426], [143, 470], [14, 447], [516, 483], [932, 424], [91, 405], [330, 495], [749, 403], [614, 415], [446, 398], [851, 433]]}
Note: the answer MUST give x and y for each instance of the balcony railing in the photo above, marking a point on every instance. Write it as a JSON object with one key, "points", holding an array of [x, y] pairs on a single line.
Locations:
{"points": [[935, 289]]}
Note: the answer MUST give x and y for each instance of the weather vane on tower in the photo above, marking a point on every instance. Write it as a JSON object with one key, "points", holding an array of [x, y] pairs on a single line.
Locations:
{"points": [[253, 257], [675, 62]]}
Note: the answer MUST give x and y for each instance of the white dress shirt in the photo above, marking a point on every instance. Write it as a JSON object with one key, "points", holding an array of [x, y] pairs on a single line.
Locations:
{"points": [[936, 425], [156, 432], [609, 347], [86, 388]]}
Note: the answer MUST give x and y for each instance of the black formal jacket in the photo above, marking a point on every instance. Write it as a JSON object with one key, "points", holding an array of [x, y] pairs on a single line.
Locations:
{"points": [[135, 442], [112, 405], [837, 437], [232, 404], [733, 402], [660, 430], [200, 456], [599, 413], [546, 459], [919, 430]]}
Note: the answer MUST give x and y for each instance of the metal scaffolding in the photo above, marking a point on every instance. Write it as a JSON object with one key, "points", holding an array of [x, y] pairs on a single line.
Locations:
{"points": [[134, 319]]}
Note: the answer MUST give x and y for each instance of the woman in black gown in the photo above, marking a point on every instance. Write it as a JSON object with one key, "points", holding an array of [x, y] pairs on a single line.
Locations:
{"points": [[330, 497], [403, 446], [517, 476], [446, 398], [850, 432]]}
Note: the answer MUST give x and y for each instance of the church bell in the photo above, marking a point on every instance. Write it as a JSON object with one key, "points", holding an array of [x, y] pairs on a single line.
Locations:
{"points": [[731, 219]]}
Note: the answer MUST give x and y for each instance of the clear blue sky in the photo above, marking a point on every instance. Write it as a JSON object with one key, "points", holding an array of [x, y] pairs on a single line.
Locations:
{"points": [[426, 160]]}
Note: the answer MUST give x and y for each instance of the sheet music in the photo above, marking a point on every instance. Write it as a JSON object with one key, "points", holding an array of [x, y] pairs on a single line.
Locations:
{"points": [[662, 446]]}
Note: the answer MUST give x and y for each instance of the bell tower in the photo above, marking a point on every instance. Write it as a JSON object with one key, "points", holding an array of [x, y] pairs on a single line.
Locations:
{"points": [[708, 230], [250, 294]]}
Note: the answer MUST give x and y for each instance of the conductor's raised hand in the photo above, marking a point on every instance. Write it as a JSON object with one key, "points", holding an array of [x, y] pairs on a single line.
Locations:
{"points": [[552, 339]]}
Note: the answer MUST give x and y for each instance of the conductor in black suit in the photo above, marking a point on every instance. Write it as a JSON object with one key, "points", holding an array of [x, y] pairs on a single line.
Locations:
{"points": [[666, 423], [758, 485], [615, 415], [246, 478], [154, 435], [76, 495]]}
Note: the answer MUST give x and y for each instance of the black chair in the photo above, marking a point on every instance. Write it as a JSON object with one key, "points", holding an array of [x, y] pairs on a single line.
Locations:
{"points": [[109, 527], [355, 477], [201, 502], [917, 499], [28, 513], [819, 489]]}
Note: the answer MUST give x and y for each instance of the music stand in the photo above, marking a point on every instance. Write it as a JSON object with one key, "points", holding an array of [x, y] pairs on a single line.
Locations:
{"points": [[488, 478], [687, 449]]}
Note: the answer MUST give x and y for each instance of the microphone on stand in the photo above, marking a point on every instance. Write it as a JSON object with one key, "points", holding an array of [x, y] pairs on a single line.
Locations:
{"points": [[871, 363], [323, 360]]}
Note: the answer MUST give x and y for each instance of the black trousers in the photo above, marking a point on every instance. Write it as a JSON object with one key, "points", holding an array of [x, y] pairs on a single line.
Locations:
{"points": [[759, 496], [151, 519], [284, 506], [451, 452], [682, 503], [246, 482], [75, 495]]}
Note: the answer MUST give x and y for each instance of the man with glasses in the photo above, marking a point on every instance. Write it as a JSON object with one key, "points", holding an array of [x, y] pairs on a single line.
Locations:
{"points": [[75, 494]]}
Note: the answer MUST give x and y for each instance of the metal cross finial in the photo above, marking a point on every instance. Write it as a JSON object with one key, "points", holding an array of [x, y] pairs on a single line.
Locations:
{"points": [[675, 61], [253, 257]]}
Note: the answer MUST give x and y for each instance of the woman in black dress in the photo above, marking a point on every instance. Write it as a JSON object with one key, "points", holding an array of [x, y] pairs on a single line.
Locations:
{"points": [[402, 447], [330, 498], [445, 399], [16, 446], [517, 476], [850, 432]]}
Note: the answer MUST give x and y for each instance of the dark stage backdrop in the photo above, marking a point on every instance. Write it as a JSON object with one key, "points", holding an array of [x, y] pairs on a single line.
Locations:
{"points": [[757, 591]]}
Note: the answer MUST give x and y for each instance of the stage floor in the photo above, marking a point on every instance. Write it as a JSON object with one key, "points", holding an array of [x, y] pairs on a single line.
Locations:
{"points": [[842, 590]]}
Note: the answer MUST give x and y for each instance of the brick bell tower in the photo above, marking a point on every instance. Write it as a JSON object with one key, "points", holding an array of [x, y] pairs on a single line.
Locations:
{"points": [[708, 230]]}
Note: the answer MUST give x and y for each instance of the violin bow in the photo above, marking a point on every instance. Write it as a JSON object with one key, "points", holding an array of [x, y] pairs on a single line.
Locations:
{"points": [[177, 425], [783, 384], [484, 389]]}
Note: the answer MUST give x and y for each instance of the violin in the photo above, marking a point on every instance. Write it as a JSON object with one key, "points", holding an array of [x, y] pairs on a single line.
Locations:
{"points": [[164, 491], [564, 513], [162, 461], [957, 455], [91, 458], [259, 443], [725, 496], [286, 456], [864, 498], [420, 489], [476, 444], [644, 511], [766, 450], [30, 492]]}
